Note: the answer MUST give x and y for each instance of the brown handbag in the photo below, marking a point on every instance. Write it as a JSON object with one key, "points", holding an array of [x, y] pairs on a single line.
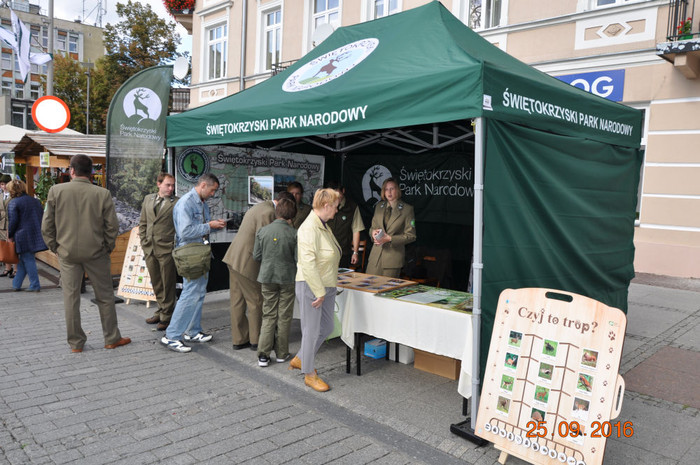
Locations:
{"points": [[7, 252]]}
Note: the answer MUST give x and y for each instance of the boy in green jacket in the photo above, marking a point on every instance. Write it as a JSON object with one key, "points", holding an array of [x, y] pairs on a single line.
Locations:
{"points": [[275, 247]]}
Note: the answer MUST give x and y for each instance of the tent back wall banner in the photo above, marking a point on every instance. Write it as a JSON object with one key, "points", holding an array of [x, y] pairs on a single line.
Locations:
{"points": [[558, 213], [416, 67]]}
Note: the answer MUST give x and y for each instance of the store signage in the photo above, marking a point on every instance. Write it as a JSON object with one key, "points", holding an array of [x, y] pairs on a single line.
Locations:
{"points": [[44, 159], [606, 84]]}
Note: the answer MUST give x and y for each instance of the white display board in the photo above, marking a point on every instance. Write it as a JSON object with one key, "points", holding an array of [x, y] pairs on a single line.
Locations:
{"points": [[551, 384], [135, 282]]}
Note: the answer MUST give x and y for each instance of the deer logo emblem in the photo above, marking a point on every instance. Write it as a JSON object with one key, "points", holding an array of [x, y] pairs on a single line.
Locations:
{"points": [[143, 103], [372, 183], [330, 66]]}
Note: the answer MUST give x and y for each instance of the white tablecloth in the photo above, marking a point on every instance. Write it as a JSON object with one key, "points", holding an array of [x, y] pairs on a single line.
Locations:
{"points": [[431, 329]]}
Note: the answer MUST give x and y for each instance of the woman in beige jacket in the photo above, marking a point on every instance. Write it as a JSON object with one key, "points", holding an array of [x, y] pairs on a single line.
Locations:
{"points": [[393, 226], [318, 255]]}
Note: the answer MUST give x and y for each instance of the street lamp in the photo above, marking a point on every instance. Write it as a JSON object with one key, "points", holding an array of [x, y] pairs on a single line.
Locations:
{"points": [[87, 110], [88, 66]]}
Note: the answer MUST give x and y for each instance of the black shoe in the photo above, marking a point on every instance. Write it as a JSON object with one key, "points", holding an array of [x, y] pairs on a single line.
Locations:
{"points": [[241, 346], [5, 272], [253, 347], [263, 360]]}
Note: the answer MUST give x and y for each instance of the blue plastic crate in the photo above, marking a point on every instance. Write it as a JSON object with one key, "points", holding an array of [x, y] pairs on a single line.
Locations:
{"points": [[375, 348]]}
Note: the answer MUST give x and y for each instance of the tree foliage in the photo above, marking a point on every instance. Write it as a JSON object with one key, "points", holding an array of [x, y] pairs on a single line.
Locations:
{"points": [[70, 85], [138, 41]]}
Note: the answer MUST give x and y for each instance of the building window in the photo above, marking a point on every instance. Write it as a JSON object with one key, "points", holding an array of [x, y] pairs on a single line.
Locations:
{"points": [[217, 38], [45, 37], [484, 14], [73, 43], [273, 38], [6, 60], [35, 91], [7, 87], [326, 12], [381, 8], [22, 117], [19, 90], [60, 41], [593, 4]]}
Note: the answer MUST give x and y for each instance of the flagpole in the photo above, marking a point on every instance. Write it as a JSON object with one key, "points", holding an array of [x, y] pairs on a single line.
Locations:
{"points": [[49, 71]]}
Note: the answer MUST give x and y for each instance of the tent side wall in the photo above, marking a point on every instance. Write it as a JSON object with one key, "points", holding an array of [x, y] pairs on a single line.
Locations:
{"points": [[559, 213]]}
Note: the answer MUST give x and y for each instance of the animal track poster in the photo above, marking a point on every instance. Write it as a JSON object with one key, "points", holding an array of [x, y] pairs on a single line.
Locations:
{"points": [[135, 282], [551, 384]]}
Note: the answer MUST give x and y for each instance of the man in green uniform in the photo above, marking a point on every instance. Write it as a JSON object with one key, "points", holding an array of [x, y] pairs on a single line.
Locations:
{"points": [[157, 235], [346, 226], [297, 190]]}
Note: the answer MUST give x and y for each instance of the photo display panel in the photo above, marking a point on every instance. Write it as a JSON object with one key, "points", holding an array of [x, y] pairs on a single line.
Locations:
{"points": [[551, 384]]}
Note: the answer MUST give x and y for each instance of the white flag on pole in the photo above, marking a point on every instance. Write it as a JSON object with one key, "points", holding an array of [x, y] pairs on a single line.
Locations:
{"points": [[18, 39], [22, 37]]}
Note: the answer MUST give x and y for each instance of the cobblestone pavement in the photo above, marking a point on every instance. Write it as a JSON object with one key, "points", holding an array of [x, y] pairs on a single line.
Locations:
{"points": [[143, 404]]}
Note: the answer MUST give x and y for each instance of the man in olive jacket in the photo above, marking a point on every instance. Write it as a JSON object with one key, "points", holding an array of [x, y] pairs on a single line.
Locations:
{"points": [[245, 290], [81, 226], [157, 235]]}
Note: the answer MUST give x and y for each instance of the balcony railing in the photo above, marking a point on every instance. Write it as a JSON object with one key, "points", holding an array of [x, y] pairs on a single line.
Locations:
{"points": [[679, 13], [279, 67]]}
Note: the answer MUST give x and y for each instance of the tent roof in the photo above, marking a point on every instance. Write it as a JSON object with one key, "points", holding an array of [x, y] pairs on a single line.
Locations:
{"points": [[418, 67], [12, 134], [61, 145]]}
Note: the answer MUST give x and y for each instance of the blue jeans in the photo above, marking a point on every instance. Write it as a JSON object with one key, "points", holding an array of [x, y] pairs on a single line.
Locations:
{"points": [[187, 315], [26, 266]]}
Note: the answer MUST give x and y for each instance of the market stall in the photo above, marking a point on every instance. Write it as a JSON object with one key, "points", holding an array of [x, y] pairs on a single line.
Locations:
{"points": [[555, 169]]}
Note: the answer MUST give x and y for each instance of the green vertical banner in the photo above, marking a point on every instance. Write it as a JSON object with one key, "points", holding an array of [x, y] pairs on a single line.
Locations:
{"points": [[136, 140]]}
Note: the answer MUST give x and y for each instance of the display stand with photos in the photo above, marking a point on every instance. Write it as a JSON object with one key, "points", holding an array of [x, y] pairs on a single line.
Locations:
{"points": [[369, 282], [551, 385], [135, 282]]}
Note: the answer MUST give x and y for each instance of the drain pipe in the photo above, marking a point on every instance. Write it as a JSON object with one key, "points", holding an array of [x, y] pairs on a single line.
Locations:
{"points": [[244, 27]]}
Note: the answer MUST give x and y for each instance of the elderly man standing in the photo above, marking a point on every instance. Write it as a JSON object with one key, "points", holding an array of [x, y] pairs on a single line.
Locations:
{"points": [[192, 224], [245, 290], [80, 225], [157, 235]]}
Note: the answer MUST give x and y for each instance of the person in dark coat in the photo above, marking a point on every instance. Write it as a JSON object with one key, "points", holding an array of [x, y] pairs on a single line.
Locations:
{"points": [[24, 217]]}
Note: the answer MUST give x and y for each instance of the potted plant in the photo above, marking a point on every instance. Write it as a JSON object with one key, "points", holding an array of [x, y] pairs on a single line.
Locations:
{"points": [[683, 29], [185, 7]]}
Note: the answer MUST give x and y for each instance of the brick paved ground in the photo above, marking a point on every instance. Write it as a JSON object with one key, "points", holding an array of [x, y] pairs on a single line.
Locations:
{"points": [[144, 404]]}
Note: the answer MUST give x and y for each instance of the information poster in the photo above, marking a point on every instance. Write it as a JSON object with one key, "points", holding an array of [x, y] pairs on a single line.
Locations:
{"points": [[135, 282], [247, 177], [551, 386]]}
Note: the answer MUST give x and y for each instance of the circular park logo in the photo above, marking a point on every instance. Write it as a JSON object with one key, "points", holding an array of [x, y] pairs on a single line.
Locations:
{"points": [[372, 183], [330, 66], [142, 103], [192, 163]]}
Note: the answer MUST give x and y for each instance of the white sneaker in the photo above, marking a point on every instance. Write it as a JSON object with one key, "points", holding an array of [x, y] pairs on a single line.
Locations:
{"points": [[200, 337], [175, 345], [282, 360]]}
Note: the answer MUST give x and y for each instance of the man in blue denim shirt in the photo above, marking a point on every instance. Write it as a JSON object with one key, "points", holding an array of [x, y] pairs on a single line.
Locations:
{"points": [[192, 224]]}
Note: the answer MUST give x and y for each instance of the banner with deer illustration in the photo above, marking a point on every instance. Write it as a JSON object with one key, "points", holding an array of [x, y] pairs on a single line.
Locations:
{"points": [[440, 187], [136, 140]]}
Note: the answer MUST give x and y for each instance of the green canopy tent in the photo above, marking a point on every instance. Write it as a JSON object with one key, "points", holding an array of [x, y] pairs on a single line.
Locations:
{"points": [[556, 169]]}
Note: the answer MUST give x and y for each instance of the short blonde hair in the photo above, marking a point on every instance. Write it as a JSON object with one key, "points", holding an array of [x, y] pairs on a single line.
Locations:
{"points": [[16, 188], [324, 197], [398, 189]]}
